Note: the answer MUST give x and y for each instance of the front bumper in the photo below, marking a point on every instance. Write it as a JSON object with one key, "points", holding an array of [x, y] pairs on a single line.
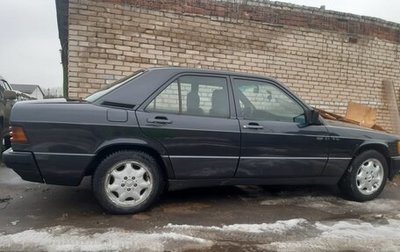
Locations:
{"points": [[24, 164], [395, 166]]}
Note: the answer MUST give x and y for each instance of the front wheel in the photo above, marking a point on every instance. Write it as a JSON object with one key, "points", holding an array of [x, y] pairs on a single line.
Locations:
{"points": [[366, 177], [127, 182]]}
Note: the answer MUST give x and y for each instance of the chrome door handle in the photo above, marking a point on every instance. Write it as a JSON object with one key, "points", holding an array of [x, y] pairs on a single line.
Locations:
{"points": [[253, 126], [159, 120]]}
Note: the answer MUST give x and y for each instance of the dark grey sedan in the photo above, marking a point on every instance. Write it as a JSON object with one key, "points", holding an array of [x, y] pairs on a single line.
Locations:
{"points": [[177, 128]]}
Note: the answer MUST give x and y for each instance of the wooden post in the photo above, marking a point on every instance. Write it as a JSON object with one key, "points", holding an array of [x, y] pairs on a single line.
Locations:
{"points": [[390, 99]]}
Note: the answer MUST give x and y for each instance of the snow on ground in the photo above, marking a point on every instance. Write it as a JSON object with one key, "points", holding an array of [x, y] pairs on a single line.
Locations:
{"points": [[346, 235], [278, 227], [284, 235], [303, 235], [73, 239]]}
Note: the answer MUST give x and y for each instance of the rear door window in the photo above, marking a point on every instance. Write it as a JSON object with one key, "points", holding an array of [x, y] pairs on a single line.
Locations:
{"points": [[194, 95]]}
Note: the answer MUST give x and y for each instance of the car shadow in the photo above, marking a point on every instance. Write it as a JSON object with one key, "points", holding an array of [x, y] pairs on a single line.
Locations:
{"points": [[255, 192]]}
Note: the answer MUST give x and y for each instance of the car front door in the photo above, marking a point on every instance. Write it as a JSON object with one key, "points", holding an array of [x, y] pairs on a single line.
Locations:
{"points": [[276, 142], [192, 117]]}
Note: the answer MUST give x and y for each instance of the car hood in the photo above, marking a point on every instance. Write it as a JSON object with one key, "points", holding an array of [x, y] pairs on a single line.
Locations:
{"points": [[346, 125], [353, 130]]}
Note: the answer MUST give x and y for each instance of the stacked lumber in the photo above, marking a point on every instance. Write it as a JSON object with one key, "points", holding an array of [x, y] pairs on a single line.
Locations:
{"points": [[362, 114], [357, 114], [336, 117], [365, 116]]}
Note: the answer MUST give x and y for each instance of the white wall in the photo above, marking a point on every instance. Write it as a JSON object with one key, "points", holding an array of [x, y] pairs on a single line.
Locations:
{"points": [[37, 94]]}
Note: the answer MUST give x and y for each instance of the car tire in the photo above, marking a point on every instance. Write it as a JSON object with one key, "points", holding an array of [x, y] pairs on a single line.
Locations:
{"points": [[127, 182], [366, 176]]}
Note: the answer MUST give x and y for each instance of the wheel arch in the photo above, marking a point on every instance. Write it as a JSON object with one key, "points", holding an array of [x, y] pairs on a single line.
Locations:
{"points": [[110, 148], [382, 148], [379, 147]]}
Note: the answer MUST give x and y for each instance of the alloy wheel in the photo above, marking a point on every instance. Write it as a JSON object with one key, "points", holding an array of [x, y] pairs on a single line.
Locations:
{"points": [[128, 183]]}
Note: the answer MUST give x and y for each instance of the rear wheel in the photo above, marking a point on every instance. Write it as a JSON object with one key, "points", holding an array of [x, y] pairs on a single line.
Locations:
{"points": [[366, 176], [127, 182]]}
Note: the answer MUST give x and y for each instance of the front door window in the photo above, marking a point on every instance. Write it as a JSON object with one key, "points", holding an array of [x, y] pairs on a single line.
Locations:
{"points": [[262, 101]]}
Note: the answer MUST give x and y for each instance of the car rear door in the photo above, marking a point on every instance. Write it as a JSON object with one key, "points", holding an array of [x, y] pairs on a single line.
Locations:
{"points": [[275, 140], [193, 118]]}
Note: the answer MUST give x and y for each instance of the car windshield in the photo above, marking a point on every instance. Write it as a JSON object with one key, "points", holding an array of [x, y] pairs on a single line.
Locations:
{"points": [[93, 97]]}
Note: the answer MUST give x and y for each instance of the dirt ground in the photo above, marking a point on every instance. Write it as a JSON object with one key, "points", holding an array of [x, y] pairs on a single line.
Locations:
{"points": [[37, 217]]}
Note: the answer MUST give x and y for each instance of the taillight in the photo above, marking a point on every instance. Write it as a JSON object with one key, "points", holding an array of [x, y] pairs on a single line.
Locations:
{"points": [[18, 135]]}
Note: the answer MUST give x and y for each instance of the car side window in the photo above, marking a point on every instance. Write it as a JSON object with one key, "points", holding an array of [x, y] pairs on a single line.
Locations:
{"points": [[193, 95], [2, 88], [7, 86], [3, 85], [260, 100]]}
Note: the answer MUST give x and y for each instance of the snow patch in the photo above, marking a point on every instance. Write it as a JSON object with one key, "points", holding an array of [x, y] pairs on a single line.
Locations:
{"points": [[72, 239], [283, 235], [278, 227], [356, 229], [302, 235], [354, 235]]}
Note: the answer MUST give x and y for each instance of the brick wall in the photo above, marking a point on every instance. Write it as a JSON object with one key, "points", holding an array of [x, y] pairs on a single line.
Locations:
{"points": [[328, 58]]}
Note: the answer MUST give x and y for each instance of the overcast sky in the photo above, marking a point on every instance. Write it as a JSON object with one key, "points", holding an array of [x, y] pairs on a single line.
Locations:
{"points": [[29, 45]]}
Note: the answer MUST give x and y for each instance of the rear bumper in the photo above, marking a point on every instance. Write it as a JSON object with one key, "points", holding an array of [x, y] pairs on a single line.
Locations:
{"points": [[24, 164], [395, 166], [50, 168]]}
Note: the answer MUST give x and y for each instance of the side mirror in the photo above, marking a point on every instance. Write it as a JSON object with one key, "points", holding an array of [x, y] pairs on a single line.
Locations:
{"points": [[313, 117], [10, 95]]}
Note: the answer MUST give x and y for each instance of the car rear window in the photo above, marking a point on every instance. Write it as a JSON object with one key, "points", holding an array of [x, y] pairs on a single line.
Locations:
{"points": [[93, 97]]}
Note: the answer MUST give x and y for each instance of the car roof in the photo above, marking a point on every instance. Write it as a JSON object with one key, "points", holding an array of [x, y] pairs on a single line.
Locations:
{"points": [[137, 90], [177, 70], [206, 70]]}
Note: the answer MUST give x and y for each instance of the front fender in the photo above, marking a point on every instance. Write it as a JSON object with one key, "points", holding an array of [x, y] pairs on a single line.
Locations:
{"points": [[385, 149], [381, 147]]}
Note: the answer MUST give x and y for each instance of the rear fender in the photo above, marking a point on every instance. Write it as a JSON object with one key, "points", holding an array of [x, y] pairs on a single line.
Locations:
{"points": [[151, 147]]}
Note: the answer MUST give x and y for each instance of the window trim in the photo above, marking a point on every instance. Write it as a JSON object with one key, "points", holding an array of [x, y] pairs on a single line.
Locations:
{"points": [[270, 82], [232, 110], [7, 85]]}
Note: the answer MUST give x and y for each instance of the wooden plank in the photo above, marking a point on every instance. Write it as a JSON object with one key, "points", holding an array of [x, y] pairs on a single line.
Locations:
{"points": [[366, 116], [332, 116], [390, 100], [327, 116], [377, 127]]}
